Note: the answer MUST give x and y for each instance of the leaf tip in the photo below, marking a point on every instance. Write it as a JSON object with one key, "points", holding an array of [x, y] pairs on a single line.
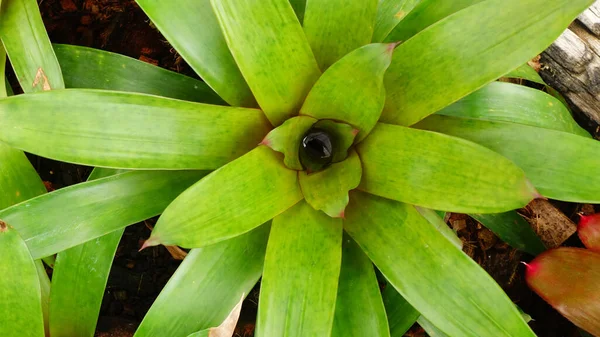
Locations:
{"points": [[266, 142], [532, 192], [586, 220], [392, 46], [531, 268], [149, 243], [588, 230]]}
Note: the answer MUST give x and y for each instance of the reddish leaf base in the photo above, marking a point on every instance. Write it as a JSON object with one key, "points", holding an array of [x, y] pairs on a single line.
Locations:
{"points": [[589, 231], [567, 278]]}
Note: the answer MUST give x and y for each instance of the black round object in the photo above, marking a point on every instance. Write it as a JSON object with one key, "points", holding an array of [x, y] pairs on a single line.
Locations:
{"points": [[316, 149]]}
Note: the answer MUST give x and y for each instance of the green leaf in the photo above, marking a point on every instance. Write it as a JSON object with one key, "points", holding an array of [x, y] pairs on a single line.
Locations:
{"points": [[525, 315], [401, 315], [128, 130], [205, 287], [389, 14], [507, 102], [336, 27], [512, 229], [78, 282], [97, 69], [423, 15], [300, 277], [299, 7], [18, 179], [431, 329], [287, 137], [79, 278], [528, 73], [4, 85], [357, 102], [525, 72], [227, 328], [588, 231], [20, 294], [272, 52], [203, 333], [435, 171], [546, 156], [192, 28], [567, 278], [72, 215], [28, 46], [9, 90], [423, 265], [440, 225], [327, 190], [103, 172], [45, 285], [229, 202], [359, 309], [473, 47]]}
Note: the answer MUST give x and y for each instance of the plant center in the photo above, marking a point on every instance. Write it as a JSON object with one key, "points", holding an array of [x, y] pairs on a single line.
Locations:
{"points": [[316, 149]]}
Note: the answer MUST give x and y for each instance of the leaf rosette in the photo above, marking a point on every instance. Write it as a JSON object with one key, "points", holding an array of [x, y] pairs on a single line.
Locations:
{"points": [[327, 145]]}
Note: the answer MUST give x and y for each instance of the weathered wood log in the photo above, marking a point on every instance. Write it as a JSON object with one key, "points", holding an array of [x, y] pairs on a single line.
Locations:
{"points": [[571, 65]]}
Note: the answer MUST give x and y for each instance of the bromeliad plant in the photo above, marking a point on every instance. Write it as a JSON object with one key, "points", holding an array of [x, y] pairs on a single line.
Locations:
{"points": [[317, 165]]}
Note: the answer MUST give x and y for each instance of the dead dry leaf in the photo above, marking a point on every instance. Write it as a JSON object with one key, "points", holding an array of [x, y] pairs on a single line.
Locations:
{"points": [[40, 78], [228, 326]]}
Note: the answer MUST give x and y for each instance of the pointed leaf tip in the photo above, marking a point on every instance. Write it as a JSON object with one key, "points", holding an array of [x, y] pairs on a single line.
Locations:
{"points": [[531, 190], [393, 45], [149, 243], [265, 142], [589, 231], [530, 268], [586, 220], [554, 282]]}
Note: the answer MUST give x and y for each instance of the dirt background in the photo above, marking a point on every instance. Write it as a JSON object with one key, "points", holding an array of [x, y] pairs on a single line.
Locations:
{"points": [[136, 277]]}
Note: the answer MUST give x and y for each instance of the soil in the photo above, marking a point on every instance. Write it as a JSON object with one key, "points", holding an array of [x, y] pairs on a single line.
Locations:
{"points": [[137, 278]]}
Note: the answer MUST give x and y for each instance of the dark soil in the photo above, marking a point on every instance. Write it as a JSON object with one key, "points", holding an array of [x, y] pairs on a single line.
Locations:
{"points": [[137, 277]]}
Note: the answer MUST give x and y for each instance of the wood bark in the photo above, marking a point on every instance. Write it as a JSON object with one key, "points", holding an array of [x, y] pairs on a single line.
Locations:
{"points": [[571, 65]]}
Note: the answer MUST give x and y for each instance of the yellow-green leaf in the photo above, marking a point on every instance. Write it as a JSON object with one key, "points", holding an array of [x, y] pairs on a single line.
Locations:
{"points": [[435, 277], [20, 294], [229, 202], [435, 171], [327, 190], [352, 89], [193, 30], [469, 49], [27, 44], [272, 52], [300, 277], [336, 27], [128, 130]]}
